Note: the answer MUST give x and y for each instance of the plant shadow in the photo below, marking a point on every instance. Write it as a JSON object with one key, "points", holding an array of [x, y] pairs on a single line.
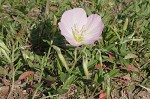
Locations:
{"points": [[42, 35]]}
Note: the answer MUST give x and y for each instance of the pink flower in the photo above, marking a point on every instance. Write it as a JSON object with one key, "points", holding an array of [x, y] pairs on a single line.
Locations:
{"points": [[78, 29]]}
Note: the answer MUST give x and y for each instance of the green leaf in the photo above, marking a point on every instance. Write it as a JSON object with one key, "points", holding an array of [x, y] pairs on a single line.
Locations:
{"points": [[98, 78], [69, 81], [3, 46], [91, 63], [6, 55], [62, 91], [63, 76], [137, 9], [61, 57], [113, 73], [130, 55], [88, 11]]}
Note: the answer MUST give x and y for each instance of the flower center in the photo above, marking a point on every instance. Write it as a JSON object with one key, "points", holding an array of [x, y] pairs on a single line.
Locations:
{"points": [[78, 33]]}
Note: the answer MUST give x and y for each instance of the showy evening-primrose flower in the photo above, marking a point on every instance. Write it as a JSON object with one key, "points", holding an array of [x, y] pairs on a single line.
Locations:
{"points": [[78, 29]]}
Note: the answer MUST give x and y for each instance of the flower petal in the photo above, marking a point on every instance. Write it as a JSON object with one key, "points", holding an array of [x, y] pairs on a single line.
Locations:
{"points": [[94, 29], [70, 18], [69, 37], [66, 32], [76, 16], [79, 17]]}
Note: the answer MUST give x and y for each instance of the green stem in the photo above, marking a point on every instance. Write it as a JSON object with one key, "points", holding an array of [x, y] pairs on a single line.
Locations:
{"points": [[100, 60], [40, 78], [76, 58], [85, 62], [115, 31], [85, 69], [13, 69], [44, 62], [75, 61], [36, 91], [13, 73]]}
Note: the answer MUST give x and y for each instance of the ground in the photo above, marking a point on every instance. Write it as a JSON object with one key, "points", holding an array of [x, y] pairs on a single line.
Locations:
{"points": [[33, 53]]}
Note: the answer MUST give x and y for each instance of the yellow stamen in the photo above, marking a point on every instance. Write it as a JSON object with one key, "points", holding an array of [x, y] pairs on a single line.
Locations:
{"points": [[78, 34]]}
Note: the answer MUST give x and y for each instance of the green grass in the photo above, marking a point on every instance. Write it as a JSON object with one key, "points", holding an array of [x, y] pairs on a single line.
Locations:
{"points": [[30, 40]]}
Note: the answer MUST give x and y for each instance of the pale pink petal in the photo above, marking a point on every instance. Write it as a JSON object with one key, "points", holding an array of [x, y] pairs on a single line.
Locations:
{"points": [[76, 16], [76, 19], [65, 31], [69, 19], [79, 17], [94, 29], [69, 37]]}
